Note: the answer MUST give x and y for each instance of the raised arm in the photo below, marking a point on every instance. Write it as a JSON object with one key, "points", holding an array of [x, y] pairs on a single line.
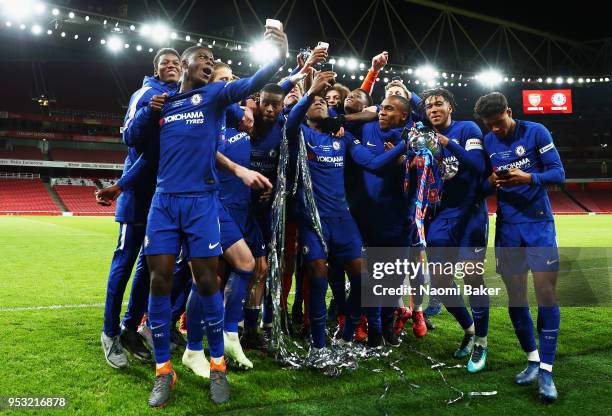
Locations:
{"points": [[322, 82], [242, 88], [296, 116], [378, 63], [303, 69]]}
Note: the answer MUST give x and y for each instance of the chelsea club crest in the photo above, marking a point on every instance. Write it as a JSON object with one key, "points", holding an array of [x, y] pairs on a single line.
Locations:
{"points": [[520, 151], [196, 99]]}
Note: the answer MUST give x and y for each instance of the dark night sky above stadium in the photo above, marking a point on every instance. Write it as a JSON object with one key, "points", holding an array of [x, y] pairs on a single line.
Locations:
{"points": [[581, 22]]}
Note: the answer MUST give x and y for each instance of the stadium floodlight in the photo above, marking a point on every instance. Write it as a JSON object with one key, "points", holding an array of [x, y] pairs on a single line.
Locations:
{"points": [[71, 15], [352, 64], [55, 12], [159, 32], [264, 51], [332, 61], [426, 72], [559, 80], [385, 80], [548, 80], [18, 9], [138, 48], [409, 70], [490, 78], [570, 80], [341, 62], [36, 29], [114, 43], [173, 35]]}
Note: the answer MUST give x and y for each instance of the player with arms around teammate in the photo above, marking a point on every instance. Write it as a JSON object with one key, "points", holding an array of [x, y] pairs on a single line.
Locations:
{"points": [[131, 214], [525, 161], [186, 205], [326, 154], [457, 232]]}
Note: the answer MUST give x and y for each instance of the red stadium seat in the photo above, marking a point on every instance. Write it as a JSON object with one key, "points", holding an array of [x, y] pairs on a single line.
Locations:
{"points": [[598, 201], [26, 197], [562, 204], [80, 200]]}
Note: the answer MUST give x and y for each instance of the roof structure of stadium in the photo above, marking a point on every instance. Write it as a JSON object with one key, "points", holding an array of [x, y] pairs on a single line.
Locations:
{"points": [[523, 38]]}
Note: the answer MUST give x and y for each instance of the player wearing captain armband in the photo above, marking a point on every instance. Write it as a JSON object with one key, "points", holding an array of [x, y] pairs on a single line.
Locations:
{"points": [[456, 221]]}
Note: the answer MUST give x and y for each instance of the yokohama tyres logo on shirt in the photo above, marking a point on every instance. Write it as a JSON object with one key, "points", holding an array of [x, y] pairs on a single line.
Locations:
{"points": [[192, 117]]}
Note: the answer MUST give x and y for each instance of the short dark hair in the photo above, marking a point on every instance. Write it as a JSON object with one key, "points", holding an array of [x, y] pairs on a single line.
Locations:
{"points": [[369, 100], [402, 101], [190, 50], [273, 89], [490, 105], [439, 92], [160, 53]]}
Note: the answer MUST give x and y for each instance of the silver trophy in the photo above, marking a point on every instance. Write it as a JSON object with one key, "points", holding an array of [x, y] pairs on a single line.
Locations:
{"points": [[424, 138], [421, 138]]}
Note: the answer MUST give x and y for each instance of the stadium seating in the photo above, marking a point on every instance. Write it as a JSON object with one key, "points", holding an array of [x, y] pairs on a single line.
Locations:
{"points": [[80, 155], [80, 200], [17, 94], [26, 197], [73, 90], [598, 201], [22, 152], [563, 204]]}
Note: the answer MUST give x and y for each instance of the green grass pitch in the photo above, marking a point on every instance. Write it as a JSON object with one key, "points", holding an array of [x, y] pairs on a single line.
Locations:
{"points": [[55, 352]]}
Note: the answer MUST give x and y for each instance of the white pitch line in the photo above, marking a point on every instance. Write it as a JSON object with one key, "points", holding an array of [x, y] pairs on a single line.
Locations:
{"points": [[36, 308]]}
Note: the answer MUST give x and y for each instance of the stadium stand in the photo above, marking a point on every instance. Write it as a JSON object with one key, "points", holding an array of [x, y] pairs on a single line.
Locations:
{"points": [[80, 155], [560, 201], [72, 89], [598, 201], [22, 152], [562, 204], [26, 197], [80, 200]]}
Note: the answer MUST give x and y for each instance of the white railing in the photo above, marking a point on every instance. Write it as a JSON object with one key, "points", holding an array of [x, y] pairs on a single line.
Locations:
{"points": [[19, 175]]}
